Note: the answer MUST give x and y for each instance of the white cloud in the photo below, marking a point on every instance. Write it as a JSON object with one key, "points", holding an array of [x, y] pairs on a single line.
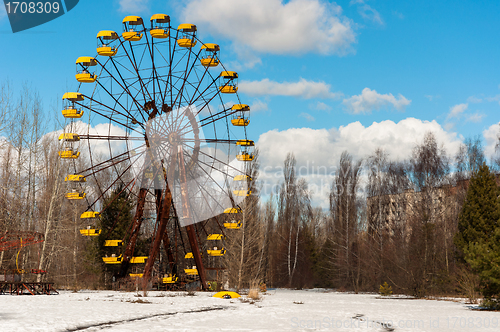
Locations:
{"points": [[318, 150], [307, 116], [492, 99], [370, 100], [398, 14], [303, 89], [491, 137], [133, 6], [476, 117], [247, 59], [370, 14], [431, 97], [258, 105], [320, 106], [275, 26], [457, 110], [474, 100], [367, 12]]}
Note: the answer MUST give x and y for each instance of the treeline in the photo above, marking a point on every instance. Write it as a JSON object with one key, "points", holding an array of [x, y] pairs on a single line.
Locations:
{"points": [[393, 221], [32, 191], [388, 221]]}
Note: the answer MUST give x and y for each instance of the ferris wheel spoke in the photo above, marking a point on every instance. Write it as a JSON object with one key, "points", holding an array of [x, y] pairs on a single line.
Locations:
{"points": [[192, 101], [154, 72], [112, 110], [103, 192], [209, 177], [123, 85], [112, 138], [203, 188], [216, 160], [213, 118], [115, 159], [169, 85], [144, 90], [199, 111], [187, 72]]}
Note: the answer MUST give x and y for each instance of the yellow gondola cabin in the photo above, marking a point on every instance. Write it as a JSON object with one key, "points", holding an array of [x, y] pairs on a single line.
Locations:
{"points": [[138, 260], [105, 43], [90, 231], [69, 137], [245, 156], [69, 154], [233, 224], [187, 35], [228, 82], [113, 243], [170, 279], [113, 259], [239, 118], [160, 26], [83, 74], [70, 110], [132, 26], [75, 195], [216, 252], [210, 55], [90, 215], [75, 178]]}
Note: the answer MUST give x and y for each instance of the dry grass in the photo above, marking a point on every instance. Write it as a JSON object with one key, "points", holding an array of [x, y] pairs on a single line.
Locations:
{"points": [[253, 293], [138, 301]]}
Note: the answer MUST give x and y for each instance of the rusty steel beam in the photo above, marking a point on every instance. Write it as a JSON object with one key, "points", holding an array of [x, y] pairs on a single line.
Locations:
{"points": [[19, 239], [163, 215], [186, 211]]}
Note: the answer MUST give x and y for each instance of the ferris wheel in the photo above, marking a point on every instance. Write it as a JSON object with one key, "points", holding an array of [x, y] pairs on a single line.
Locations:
{"points": [[157, 115]]}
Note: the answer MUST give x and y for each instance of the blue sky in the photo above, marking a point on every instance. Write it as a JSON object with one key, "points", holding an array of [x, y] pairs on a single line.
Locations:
{"points": [[321, 76]]}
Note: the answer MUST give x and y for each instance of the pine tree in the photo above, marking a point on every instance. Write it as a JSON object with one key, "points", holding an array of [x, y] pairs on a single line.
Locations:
{"points": [[114, 223], [478, 234], [481, 212], [484, 257], [116, 217]]}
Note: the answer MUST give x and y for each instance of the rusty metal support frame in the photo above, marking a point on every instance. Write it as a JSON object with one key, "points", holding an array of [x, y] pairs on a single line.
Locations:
{"points": [[163, 216], [186, 211], [27, 288], [19, 239]]}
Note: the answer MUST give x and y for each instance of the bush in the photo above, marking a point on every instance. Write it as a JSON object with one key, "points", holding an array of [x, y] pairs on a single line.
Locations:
{"points": [[385, 289]]}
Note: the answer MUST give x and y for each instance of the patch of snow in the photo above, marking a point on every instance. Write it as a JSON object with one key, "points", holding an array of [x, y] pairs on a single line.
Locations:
{"points": [[277, 310]]}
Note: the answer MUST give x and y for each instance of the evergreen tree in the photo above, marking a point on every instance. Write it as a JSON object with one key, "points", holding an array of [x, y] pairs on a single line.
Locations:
{"points": [[484, 257], [478, 234], [116, 217], [115, 221], [481, 212]]}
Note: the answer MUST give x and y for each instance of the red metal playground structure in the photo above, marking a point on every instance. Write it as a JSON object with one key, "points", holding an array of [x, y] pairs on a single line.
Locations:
{"points": [[11, 280]]}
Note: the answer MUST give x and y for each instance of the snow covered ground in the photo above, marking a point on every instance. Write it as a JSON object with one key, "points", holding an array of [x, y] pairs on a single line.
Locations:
{"points": [[278, 310]]}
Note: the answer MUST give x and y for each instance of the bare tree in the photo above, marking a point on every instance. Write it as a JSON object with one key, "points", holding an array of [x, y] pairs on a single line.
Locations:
{"points": [[344, 206], [294, 210]]}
